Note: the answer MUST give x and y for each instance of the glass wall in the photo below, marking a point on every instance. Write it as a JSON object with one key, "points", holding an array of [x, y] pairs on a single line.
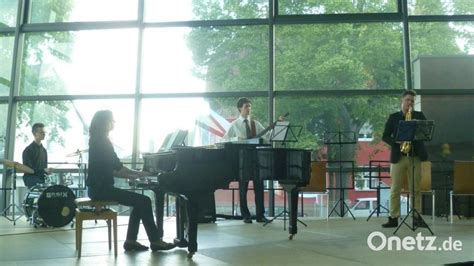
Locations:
{"points": [[82, 62], [160, 117], [67, 126], [307, 7], [82, 10], [167, 62], [205, 59], [185, 10], [206, 120], [339, 56], [3, 142], [3, 128], [322, 115], [8, 12], [442, 39], [436, 7], [6, 53], [333, 65]]}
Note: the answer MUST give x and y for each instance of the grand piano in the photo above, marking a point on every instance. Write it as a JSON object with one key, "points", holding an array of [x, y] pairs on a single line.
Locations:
{"points": [[189, 172]]}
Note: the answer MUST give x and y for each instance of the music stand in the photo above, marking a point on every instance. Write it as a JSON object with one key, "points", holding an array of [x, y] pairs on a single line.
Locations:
{"points": [[414, 130], [12, 204], [283, 132], [341, 138], [381, 174]]}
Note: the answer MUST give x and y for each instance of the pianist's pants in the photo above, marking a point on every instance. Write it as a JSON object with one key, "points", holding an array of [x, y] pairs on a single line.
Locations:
{"points": [[258, 190], [141, 210]]}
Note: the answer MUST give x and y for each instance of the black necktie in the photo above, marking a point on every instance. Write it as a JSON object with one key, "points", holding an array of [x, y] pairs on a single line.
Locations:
{"points": [[247, 129]]}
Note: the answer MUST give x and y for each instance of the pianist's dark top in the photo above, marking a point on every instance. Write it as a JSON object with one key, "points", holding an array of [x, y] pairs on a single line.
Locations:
{"points": [[102, 162]]}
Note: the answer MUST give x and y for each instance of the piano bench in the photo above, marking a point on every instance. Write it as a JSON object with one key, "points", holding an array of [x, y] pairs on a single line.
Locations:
{"points": [[88, 209]]}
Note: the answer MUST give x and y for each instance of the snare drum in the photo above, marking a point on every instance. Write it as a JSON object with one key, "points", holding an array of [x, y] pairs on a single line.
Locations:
{"points": [[52, 205]]}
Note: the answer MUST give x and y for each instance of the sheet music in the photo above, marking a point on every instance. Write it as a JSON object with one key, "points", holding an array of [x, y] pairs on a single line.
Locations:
{"points": [[280, 131]]}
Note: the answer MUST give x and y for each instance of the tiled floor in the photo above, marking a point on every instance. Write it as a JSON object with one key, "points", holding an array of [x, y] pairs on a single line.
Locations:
{"points": [[229, 242]]}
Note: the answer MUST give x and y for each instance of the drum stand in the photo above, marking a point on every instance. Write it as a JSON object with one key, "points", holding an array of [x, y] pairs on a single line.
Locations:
{"points": [[12, 204], [81, 176]]}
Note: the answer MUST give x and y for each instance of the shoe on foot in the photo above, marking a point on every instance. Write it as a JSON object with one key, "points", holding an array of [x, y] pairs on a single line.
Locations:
{"points": [[392, 222], [161, 245], [134, 246], [262, 219], [247, 220]]}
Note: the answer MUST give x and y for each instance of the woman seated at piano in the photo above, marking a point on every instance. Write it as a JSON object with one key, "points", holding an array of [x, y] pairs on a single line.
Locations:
{"points": [[104, 165]]}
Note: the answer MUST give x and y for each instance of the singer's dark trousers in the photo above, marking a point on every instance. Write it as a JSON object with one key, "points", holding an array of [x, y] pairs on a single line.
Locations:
{"points": [[141, 210], [258, 189]]}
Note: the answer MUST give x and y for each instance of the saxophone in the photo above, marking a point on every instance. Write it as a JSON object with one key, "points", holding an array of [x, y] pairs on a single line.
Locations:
{"points": [[405, 147]]}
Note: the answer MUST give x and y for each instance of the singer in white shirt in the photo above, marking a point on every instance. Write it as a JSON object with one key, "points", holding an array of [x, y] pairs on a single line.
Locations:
{"points": [[245, 128], [237, 130]]}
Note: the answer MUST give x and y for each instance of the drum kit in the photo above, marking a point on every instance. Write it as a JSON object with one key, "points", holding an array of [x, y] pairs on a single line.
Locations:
{"points": [[49, 205], [81, 168], [46, 204]]}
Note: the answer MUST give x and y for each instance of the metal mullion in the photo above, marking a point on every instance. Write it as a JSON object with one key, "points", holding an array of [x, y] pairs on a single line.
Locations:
{"points": [[76, 26], [446, 92], [335, 93], [205, 94], [263, 93], [272, 13], [233, 94], [208, 23], [14, 83], [406, 46], [399, 6], [7, 31], [441, 18], [338, 18], [382, 92], [72, 97], [138, 78], [12, 108]]}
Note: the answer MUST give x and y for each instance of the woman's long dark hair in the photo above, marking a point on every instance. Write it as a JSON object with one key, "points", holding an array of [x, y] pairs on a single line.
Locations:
{"points": [[99, 124]]}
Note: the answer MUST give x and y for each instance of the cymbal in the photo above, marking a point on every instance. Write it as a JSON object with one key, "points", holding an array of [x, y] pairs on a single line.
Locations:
{"points": [[77, 153], [18, 166]]}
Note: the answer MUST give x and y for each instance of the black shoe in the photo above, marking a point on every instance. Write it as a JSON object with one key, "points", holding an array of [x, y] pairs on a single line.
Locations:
{"points": [[161, 245], [418, 222], [392, 222], [131, 246], [247, 220], [263, 220]]}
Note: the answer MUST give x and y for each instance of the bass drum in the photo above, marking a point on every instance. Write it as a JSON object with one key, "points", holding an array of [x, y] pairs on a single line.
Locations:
{"points": [[30, 204], [54, 206]]}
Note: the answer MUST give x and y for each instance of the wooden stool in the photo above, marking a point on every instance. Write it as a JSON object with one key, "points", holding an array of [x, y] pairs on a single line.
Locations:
{"points": [[88, 209]]}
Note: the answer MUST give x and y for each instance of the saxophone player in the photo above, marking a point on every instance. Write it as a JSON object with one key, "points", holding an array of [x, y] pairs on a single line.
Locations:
{"points": [[401, 161]]}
